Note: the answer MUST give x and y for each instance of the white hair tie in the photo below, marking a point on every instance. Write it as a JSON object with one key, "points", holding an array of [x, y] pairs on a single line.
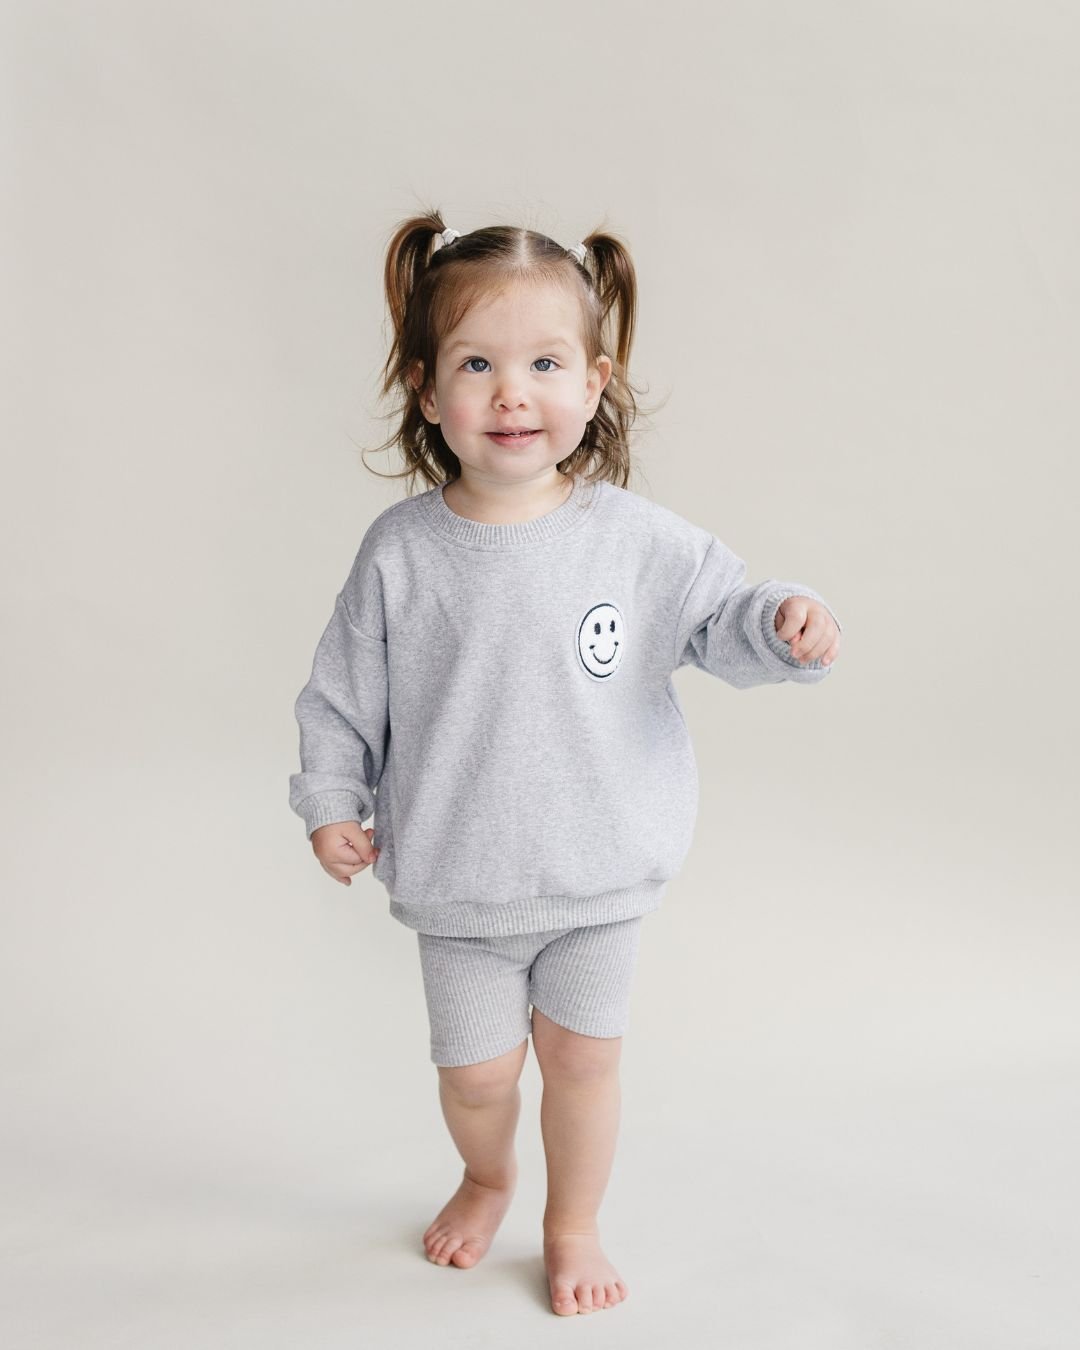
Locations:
{"points": [[579, 251], [447, 237]]}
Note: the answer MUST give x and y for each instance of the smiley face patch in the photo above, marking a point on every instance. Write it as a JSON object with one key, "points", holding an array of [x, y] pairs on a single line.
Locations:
{"points": [[601, 640]]}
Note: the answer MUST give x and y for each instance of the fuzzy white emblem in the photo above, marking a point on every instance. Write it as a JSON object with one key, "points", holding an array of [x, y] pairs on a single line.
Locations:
{"points": [[602, 640]]}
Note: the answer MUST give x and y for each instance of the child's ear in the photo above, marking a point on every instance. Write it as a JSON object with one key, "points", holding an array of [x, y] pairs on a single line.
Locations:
{"points": [[425, 397], [599, 374]]}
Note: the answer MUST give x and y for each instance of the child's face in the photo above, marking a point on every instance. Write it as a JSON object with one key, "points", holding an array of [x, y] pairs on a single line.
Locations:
{"points": [[516, 361]]}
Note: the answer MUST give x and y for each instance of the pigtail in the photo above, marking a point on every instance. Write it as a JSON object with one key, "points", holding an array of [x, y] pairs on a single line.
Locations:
{"points": [[613, 285], [407, 256], [615, 282]]}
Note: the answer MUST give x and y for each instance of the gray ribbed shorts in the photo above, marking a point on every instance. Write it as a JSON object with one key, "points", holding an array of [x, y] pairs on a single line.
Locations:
{"points": [[479, 989]]}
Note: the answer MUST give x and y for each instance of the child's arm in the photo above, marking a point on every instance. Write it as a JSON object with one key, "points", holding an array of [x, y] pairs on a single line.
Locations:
{"points": [[344, 726], [728, 628]]}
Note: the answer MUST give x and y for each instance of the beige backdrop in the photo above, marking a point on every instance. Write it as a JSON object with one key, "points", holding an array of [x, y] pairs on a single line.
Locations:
{"points": [[851, 1082]]}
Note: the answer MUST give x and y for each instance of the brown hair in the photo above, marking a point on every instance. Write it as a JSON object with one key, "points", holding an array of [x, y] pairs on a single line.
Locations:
{"points": [[428, 293]]}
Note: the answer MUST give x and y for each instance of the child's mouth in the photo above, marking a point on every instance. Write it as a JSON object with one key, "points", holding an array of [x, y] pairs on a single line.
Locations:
{"points": [[513, 437]]}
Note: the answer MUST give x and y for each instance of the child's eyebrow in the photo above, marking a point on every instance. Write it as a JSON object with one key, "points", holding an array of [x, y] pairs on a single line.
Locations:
{"points": [[463, 343]]}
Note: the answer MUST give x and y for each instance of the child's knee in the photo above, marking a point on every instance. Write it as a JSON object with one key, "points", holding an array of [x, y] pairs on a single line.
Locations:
{"points": [[487, 1081]]}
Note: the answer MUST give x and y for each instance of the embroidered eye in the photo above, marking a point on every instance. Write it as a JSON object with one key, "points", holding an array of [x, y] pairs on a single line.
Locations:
{"points": [[596, 629]]}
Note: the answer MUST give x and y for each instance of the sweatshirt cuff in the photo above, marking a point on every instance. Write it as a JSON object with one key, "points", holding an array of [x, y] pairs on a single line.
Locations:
{"points": [[328, 808], [776, 644]]}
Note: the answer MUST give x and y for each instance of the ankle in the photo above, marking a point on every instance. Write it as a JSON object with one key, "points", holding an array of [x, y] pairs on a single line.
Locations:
{"points": [[570, 1226], [493, 1178]]}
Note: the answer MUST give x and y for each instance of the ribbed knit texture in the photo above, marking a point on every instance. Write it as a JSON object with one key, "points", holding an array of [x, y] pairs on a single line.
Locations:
{"points": [[478, 989], [500, 697]]}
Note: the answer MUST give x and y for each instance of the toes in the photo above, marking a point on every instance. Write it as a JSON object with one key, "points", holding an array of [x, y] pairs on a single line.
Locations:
{"points": [[468, 1253], [453, 1242], [447, 1247], [584, 1298], [563, 1300]]}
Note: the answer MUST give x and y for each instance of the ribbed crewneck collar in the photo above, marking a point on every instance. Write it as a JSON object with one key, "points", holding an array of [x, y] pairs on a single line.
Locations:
{"points": [[519, 534]]}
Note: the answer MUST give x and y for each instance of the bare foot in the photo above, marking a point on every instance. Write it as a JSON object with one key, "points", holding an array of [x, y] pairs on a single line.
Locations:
{"points": [[462, 1230], [580, 1276]]}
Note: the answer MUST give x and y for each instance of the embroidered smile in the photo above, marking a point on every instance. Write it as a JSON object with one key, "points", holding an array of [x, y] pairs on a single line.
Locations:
{"points": [[597, 659]]}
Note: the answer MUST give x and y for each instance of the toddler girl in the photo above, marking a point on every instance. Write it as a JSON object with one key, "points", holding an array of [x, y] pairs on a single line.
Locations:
{"points": [[494, 686]]}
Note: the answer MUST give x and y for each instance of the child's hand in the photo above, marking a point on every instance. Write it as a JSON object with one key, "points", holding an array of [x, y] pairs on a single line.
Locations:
{"points": [[344, 849], [808, 628]]}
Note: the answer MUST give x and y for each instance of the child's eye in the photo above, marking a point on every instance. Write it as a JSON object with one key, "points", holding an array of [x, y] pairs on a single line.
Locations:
{"points": [[467, 364]]}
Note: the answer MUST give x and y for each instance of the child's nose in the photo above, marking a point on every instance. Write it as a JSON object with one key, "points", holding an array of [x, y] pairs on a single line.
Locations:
{"points": [[509, 390]]}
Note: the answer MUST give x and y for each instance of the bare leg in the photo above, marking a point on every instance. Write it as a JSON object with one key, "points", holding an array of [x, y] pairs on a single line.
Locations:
{"points": [[481, 1104], [579, 1120]]}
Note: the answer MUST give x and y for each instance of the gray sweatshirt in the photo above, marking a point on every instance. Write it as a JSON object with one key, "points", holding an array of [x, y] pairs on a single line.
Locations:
{"points": [[500, 697]]}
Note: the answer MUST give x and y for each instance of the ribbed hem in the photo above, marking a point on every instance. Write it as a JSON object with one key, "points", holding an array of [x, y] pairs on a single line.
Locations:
{"points": [[531, 914], [520, 534], [327, 808]]}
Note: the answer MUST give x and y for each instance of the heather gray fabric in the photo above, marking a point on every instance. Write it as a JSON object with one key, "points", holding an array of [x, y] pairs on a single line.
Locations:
{"points": [[500, 697], [478, 989]]}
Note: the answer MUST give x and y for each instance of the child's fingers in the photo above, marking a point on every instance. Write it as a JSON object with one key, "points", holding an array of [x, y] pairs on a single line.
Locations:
{"points": [[809, 647], [344, 850], [344, 862], [349, 854], [805, 651], [792, 612], [356, 845], [354, 862]]}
